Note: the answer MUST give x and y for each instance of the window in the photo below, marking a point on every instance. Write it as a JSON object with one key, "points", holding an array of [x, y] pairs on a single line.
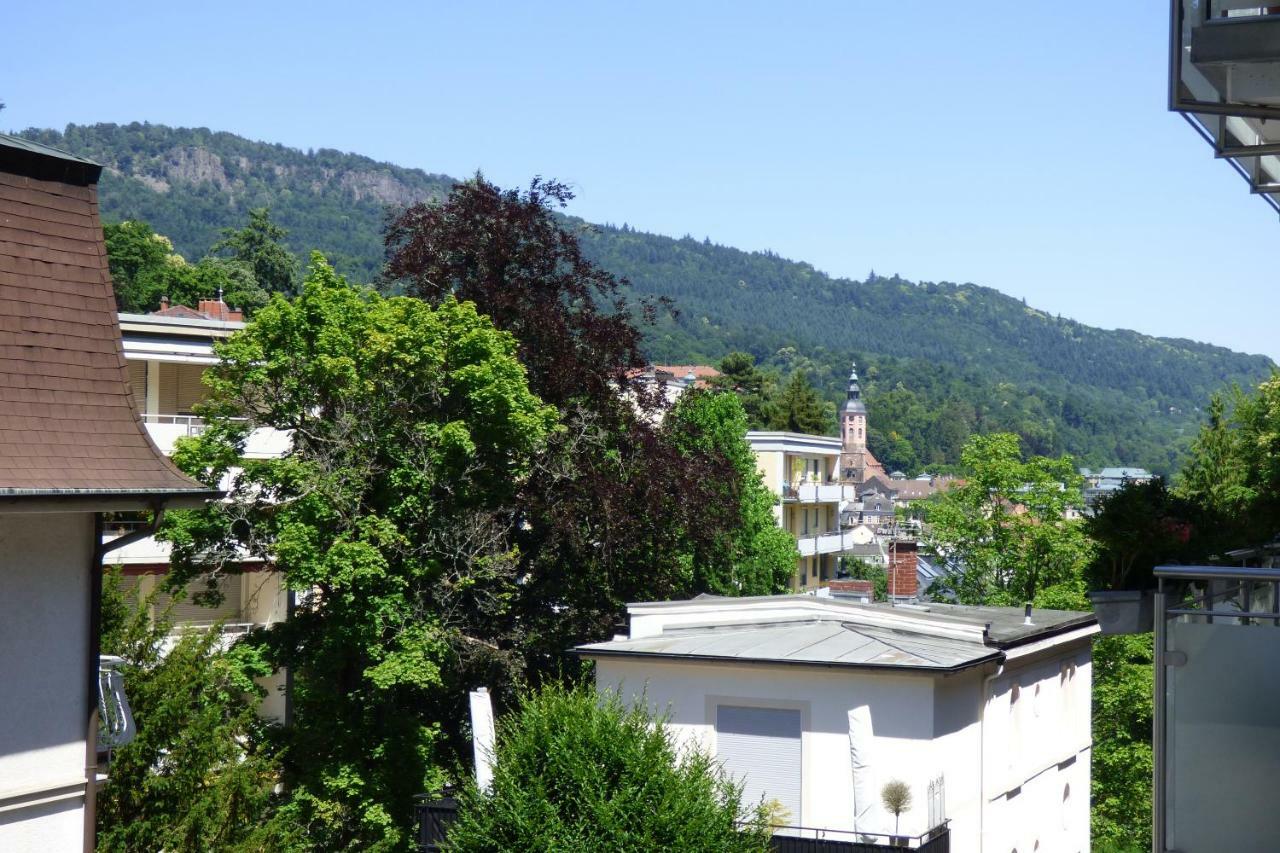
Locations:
{"points": [[760, 747]]}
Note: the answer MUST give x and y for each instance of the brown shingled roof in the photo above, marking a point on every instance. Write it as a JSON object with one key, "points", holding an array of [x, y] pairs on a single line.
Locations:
{"points": [[67, 420]]}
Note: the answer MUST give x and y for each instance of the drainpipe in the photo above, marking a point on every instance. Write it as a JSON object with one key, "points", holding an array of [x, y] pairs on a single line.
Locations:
{"points": [[100, 549], [982, 752]]}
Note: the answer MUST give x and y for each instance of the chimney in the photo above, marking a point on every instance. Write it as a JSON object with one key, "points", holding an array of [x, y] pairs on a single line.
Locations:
{"points": [[902, 569], [859, 590]]}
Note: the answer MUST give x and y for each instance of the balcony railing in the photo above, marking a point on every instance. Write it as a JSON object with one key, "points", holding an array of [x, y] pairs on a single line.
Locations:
{"points": [[802, 839], [166, 429], [813, 491], [828, 542], [434, 814], [115, 719], [1217, 649]]}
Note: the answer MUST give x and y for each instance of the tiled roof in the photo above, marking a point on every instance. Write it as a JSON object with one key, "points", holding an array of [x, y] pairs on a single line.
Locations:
{"points": [[180, 311], [67, 421]]}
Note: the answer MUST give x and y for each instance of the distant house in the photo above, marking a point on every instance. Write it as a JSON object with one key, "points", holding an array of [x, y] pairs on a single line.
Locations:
{"points": [[72, 451], [817, 702], [672, 380], [1100, 485]]}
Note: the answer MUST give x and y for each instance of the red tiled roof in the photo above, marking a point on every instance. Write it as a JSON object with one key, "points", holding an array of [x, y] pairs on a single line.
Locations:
{"points": [[181, 312], [67, 421]]}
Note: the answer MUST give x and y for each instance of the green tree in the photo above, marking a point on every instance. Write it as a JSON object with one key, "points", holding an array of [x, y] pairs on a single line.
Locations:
{"points": [[145, 268], [1006, 529], [141, 263], [199, 773], [800, 409], [755, 388], [1122, 714], [755, 556], [389, 517], [579, 771], [616, 508], [259, 245]]}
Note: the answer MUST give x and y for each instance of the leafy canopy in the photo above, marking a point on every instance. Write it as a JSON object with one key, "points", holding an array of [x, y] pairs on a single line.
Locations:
{"points": [[411, 425], [619, 509], [144, 268], [1006, 532]]}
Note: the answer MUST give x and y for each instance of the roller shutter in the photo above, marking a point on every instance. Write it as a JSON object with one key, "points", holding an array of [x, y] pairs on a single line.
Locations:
{"points": [[168, 388], [761, 748], [190, 388], [187, 612], [138, 383]]}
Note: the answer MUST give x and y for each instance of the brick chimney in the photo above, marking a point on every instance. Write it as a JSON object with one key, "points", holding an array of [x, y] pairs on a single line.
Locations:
{"points": [[216, 309], [902, 569], [852, 588]]}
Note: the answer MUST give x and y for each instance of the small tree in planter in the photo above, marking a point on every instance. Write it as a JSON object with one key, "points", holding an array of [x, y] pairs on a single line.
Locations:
{"points": [[896, 797]]}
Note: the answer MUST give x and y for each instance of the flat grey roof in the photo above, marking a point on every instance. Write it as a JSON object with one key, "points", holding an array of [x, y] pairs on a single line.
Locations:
{"points": [[837, 632], [1005, 625], [818, 642]]}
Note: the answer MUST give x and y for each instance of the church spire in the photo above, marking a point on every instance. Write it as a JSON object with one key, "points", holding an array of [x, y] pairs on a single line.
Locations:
{"points": [[854, 402]]}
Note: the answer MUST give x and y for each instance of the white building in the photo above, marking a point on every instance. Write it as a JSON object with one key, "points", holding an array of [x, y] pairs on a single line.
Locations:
{"points": [[72, 449], [817, 703]]}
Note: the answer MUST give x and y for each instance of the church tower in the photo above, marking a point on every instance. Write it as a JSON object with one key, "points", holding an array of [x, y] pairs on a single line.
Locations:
{"points": [[853, 432]]}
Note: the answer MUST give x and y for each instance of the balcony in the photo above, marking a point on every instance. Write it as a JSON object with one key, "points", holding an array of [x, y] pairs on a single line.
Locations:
{"points": [[1224, 77], [831, 542], [165, 430], [800, 839], [812, 491]]}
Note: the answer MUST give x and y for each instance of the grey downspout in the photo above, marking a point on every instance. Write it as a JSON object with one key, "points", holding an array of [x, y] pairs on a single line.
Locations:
{"points": [[94, 649]]}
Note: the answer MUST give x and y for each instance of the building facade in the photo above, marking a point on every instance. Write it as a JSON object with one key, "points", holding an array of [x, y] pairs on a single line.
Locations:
{"points": [[72, 451], [817, 703]]}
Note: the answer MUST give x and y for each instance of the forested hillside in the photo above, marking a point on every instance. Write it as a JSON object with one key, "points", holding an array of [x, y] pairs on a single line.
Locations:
{"points": [[938, 360]]}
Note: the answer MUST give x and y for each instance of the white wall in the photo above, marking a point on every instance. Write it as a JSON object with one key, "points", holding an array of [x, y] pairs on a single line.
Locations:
{"points": [[1035, 748], [44, 623], [924, 726], [901, 710]]}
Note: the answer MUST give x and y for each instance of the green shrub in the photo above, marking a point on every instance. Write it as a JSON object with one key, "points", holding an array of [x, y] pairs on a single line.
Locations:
{"points": [[581, 771]]}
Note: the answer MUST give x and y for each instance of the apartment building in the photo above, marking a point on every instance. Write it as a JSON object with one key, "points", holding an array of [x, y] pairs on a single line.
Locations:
{"points": [[804, 472], [166, 354]]}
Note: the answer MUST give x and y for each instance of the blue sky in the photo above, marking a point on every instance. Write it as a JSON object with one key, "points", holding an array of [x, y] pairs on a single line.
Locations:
{"points": [[1024, 146]]}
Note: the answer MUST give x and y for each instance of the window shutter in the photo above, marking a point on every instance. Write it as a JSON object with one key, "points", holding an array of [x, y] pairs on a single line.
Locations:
{"points": [[761, 748]]}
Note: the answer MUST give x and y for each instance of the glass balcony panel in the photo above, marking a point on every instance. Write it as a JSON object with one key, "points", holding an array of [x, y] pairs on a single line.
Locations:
{"points": [[1222, 733]]}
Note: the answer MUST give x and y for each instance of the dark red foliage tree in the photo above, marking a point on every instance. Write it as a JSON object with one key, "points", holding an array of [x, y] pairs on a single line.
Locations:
{"points": [[614, 511]]}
